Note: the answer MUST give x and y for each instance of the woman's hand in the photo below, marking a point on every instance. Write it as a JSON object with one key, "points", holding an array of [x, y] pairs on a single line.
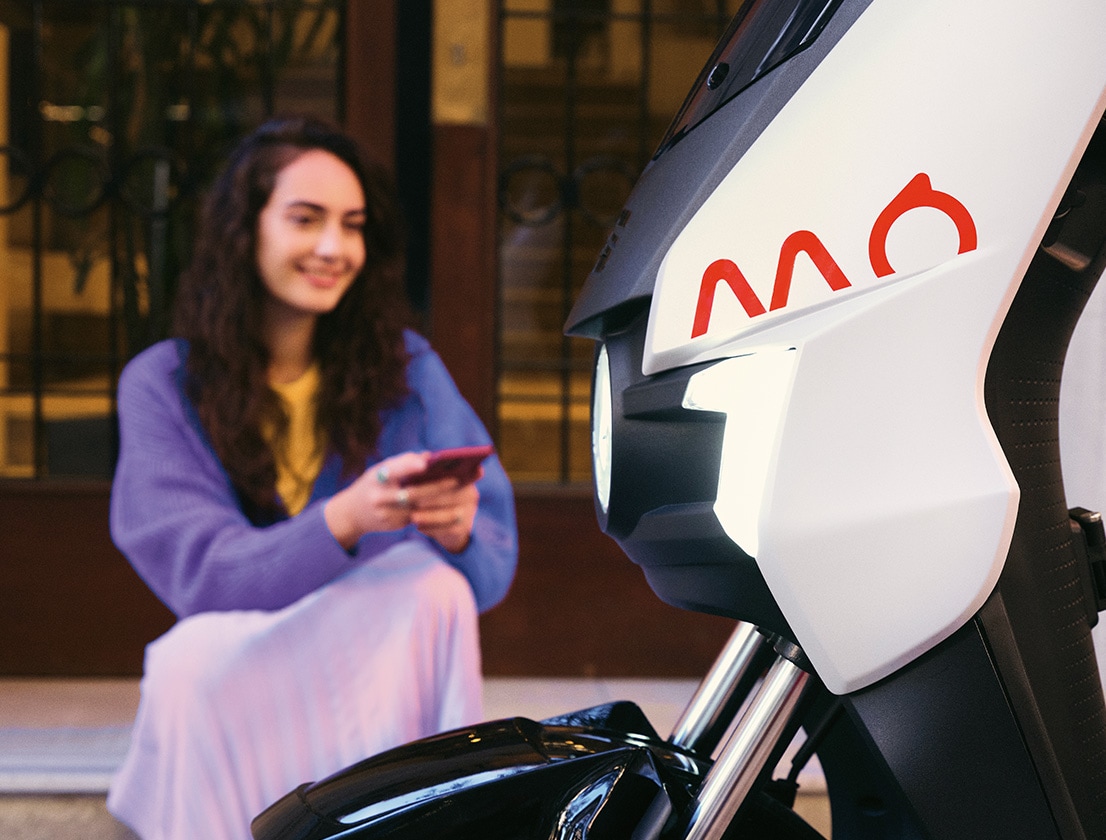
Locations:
{"points": [[375, 501], [378, 500], [445, 510]]}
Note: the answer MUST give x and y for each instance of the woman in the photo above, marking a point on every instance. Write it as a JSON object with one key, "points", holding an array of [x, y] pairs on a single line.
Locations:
{"points": [[327, 608]]}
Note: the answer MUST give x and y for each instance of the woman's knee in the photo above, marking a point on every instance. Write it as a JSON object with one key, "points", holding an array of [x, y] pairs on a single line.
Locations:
{"points": [[192, 664], [447, 593]]}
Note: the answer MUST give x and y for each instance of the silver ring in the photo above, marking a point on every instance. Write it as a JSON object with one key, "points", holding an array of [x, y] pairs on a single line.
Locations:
{"points": [[382, 475], [402, 497]]}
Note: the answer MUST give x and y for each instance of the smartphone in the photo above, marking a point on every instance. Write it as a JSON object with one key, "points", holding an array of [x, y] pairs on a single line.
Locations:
{"points": [[462, 463]]}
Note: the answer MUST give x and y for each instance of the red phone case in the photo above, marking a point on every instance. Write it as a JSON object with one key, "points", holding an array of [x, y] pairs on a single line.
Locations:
{"points": [[462, 463]]}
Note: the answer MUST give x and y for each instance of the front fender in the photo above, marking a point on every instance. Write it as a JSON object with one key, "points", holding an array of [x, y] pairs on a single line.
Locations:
{"points": [[593, 773]]}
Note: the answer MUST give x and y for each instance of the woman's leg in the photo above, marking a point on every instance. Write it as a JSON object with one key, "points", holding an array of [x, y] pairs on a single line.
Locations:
{"points": [[240, 708]]}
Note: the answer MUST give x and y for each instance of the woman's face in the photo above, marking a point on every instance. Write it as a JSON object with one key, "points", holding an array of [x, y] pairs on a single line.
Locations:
{"points": [[310, 244]]}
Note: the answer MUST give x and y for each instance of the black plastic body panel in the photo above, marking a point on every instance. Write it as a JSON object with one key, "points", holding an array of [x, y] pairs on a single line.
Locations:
{"points": [[665, 462], [1038, 622], [945, 731]]}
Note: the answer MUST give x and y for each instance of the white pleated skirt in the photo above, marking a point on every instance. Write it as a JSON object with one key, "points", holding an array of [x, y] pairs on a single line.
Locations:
{"points": [[239, 708]]}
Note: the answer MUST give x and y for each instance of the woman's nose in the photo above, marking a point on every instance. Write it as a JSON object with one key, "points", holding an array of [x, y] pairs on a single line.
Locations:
{"points": [[331, 241]]}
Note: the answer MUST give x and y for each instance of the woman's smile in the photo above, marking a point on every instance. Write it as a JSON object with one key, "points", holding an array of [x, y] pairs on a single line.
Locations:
{"points": [[322, 279]]}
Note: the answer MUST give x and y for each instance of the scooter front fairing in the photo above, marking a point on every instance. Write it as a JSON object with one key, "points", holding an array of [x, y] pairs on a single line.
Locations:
{"points": [[835, 311], [830, 324]]}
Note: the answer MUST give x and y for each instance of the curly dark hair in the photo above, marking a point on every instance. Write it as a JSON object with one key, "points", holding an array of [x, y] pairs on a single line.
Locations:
{"points": [[359, 345]]}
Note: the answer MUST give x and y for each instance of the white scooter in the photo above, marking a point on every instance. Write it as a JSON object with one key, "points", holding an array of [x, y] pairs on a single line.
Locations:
{"points": [[831, 323]]}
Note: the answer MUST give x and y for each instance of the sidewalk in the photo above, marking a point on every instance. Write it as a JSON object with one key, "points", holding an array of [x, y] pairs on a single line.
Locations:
{"points": [[103, 705]]}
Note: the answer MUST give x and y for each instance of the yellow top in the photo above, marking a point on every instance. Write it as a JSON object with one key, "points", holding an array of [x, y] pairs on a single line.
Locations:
{"points": [[299, 457]]}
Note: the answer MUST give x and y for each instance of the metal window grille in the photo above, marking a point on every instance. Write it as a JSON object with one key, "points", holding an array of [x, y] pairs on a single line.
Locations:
{"points": [[117, 114]]}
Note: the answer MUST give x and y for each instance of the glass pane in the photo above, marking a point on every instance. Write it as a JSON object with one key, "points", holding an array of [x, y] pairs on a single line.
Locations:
{"points": [[570, 151], [16, 295], [587, 89], [119, 114], [306, 55]]}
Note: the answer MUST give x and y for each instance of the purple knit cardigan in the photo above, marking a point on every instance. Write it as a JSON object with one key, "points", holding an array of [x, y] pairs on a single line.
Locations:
{"points": [[177, 519]]}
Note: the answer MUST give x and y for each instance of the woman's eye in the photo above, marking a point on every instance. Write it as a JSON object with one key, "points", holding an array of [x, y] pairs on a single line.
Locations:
{"points": [[302, 216]]}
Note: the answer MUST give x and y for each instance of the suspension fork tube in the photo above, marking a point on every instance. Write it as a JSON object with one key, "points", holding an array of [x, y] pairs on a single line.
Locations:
{"points": [[715, 692], [747, 750]]}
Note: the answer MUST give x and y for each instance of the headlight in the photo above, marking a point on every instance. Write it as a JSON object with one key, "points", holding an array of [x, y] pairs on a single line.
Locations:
{"points": [[601, 427]]}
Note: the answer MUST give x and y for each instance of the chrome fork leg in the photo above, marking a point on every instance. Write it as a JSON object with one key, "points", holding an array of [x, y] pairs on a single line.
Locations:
{"points": [[746, 750], [713, 694]]}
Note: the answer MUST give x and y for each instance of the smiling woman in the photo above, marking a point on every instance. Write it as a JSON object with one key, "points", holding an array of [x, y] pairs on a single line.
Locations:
{"points": [[262, 494]]}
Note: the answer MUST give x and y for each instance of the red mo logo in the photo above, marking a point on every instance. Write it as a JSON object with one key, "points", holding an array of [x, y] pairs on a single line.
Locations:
{"points": [[918, 193]]}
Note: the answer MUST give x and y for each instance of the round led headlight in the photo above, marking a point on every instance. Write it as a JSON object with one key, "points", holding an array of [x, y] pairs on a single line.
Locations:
{"points": [[601, 427]]}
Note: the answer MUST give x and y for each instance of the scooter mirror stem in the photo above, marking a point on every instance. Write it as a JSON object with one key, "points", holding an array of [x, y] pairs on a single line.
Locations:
{"points": [[746, 750], [714, 694]]}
